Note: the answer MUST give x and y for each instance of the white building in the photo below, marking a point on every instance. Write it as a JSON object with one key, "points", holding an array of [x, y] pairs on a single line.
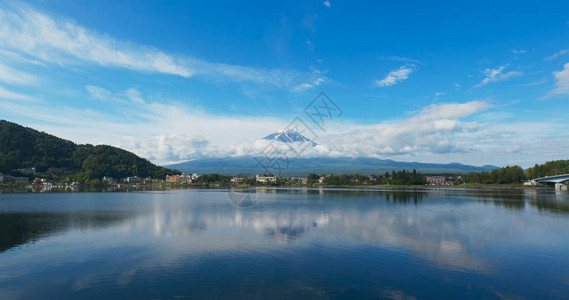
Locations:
{"points": [[238, 178], [265, 179]]}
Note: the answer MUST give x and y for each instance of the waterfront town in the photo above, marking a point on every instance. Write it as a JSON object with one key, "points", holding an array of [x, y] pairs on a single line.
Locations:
{"points": [[30, 178]]}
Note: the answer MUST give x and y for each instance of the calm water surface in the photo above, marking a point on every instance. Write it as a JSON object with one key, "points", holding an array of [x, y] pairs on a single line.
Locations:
{"points": [[431, 244]]}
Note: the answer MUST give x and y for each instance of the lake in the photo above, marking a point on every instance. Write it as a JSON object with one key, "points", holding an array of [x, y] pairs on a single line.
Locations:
{"points": [[286, 243]]}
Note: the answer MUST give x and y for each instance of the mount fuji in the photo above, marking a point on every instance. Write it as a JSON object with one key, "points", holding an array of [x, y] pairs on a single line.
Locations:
{"points": [[301, 166], [289, 136]]}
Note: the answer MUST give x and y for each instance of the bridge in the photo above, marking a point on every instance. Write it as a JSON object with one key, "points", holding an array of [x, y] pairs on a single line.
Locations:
{"points": [[557, 180]]}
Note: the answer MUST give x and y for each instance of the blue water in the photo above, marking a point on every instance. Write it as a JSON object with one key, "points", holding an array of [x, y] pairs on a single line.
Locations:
{"points": [[289, 243]]}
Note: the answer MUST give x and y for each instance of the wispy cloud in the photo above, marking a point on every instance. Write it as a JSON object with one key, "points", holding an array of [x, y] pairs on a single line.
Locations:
{"points": [[561, 83], [102, 94], [9, 95], [63, 42], [327, 3], [13, 76], [556, 55], [36, 34], [308, 85], [536, 82], [495, 75], [401, 58], [518, 51], [396, 76]]}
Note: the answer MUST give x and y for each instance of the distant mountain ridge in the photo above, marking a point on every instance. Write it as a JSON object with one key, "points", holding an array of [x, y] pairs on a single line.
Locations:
{"points": [[23, 147], [304, 166]]}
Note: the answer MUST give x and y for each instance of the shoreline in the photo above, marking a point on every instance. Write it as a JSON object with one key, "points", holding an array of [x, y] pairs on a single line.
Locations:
{"points": [[8, 189]]}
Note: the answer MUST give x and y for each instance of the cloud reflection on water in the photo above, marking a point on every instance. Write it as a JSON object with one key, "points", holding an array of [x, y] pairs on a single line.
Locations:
{"points": [[449, 230]]}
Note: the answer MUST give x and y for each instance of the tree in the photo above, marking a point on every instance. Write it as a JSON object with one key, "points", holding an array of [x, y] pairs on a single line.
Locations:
{"points": [[549, 168], [313, 176], [505, 175]]}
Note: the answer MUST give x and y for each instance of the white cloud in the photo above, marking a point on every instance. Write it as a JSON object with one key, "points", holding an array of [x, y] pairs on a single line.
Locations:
{"points": [[12, 76], [327, 3], [562, 82], [518, 51], [14, 57], [167, 133], [557, 54], [428, 131], [396, 76], [494, 75], [164, 132], [9, 95], [62, 42], [166, 148], [278, 78], [171, 132], [51, 40], [99, 93], [303, 86]]}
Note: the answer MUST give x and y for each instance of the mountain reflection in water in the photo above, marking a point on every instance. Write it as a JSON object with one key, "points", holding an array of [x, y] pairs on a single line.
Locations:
{"points": [[118, 242]]}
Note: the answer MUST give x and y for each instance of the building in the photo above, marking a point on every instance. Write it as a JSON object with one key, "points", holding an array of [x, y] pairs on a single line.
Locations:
{"points": [[238, 178], [182, 178], [303, 180], [27, 171], [185, 178], [39, 180], [439, 180], [265, 179], [172, 178], [134, 179], [5, 178], [21, 179], [110, 180]]}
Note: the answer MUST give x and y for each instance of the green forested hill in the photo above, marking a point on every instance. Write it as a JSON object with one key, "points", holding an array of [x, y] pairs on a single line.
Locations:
{"points": [[22, 147], [550, 168]]}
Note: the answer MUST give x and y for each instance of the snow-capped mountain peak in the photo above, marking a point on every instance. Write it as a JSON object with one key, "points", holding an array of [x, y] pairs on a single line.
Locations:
{"points": [[288, 136]]}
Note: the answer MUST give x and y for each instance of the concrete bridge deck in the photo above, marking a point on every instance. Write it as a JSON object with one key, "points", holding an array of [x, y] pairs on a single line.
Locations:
{"points": [[557, 180]]}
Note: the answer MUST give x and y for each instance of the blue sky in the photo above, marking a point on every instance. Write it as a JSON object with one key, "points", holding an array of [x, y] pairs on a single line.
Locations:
{"points": [[475, 82]]}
